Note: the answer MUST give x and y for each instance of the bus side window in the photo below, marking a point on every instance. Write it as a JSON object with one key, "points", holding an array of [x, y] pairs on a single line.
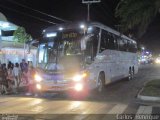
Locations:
{"points": [[133, 47], [121, 44], [125, 45], [116, 42], [130, 46], [104, 41], [111, 42]]}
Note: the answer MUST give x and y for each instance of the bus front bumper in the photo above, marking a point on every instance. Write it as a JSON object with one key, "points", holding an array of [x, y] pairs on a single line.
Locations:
{"points": [[78, 87]]}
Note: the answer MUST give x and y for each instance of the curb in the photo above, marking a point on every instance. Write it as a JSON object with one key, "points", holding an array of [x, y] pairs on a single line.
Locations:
{"points": [[147, 98]]}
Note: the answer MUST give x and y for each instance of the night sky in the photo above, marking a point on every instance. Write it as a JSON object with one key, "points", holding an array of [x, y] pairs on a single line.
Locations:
{"points": [[72, 10]]}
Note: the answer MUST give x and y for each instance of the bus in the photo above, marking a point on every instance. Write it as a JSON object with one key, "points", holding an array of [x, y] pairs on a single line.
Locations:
{"points": [[83, 56]]}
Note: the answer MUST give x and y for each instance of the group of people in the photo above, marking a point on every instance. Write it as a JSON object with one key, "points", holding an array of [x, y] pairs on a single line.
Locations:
{"points": [[12, 75]]}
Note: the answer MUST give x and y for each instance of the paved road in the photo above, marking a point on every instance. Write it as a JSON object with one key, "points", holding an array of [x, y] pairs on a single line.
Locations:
{"points": [[119, 98]]}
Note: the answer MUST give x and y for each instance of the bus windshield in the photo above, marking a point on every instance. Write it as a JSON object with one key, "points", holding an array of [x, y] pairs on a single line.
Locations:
{"points": [[68, 46], [50, 51]]}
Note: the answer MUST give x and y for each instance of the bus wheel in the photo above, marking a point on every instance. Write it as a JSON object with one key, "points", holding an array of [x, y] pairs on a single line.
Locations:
{"points": [[130, 76], [101, 80]]}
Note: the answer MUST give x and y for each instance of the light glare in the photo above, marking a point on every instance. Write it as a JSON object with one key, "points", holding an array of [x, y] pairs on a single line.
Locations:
{"points": [[82, 26], [77, 78], [5, 25], [51, 35], [60, 28], [157, 61], [78, 87], [90, 29], [37, 78], [38, 86]]}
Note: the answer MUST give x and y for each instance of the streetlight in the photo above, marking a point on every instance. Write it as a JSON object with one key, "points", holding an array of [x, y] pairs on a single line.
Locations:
{"points": [[61, 28], [82, 26], [143, 48]]}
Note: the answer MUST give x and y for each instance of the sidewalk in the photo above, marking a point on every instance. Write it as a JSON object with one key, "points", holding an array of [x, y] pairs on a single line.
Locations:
{"points": [[150, 91]]}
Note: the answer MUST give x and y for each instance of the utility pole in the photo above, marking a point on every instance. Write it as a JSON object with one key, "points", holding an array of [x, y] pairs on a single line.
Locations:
{"points": [[88, 3], [88, 15]]}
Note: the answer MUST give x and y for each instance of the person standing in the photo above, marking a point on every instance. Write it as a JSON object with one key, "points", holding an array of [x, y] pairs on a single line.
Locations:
{"points": [[16, 72], [31, 85], [24, 70], [10, 78], [2, 90], [24, 65], [4, 79]]}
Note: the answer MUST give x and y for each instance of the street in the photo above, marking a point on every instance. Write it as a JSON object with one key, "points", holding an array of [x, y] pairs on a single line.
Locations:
{"points": [[119, 98]]}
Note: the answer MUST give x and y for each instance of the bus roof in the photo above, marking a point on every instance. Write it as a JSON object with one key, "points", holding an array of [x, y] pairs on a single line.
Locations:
{"points": [[75, 25]]}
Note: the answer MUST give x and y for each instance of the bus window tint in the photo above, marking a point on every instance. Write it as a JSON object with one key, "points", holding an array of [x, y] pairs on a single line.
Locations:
{"points": [[104, 41], [115, 42], [43, 56], [108, 41], [41, 53], [111, 42], [91, 48], [121, 44], [125, 47], [133, 47], [51, 52]]}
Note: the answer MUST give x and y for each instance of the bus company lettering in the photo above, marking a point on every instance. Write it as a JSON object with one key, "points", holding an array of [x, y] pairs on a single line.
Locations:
{"points": [[69, 35]]}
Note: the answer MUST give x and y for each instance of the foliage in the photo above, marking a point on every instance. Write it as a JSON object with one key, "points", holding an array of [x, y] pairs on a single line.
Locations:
{"points": [[137, 13], [21, 36]]}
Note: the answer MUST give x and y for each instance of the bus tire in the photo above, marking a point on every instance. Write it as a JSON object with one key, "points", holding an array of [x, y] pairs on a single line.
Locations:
{"points": [[101, 83], [130, 74], [133, 71]]}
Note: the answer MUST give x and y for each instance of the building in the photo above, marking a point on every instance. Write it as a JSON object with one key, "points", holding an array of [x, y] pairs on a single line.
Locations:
{"points": [[9, 50]]}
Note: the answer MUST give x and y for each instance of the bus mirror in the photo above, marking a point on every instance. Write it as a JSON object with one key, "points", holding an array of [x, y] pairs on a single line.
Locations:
{"points": [[83, 44], [84, 41]]}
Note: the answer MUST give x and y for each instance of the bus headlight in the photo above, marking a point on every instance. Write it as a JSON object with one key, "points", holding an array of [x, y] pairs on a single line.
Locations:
{"points": [[37, 78], [38, 86], [157, 61], [78, 87], [79, 77]]}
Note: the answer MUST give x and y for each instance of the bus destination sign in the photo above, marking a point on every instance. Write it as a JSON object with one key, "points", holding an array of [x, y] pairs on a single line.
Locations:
{"points": [[70, 35]]}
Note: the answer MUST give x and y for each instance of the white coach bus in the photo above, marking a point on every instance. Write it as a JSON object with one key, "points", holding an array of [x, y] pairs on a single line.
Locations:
{"points": [[80, 57]]}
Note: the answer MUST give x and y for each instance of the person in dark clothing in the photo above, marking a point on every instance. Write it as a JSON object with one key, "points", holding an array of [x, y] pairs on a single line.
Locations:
{"points": [[23, 66], [4, 79], [24, 70], [9, 65], [10, 78]]}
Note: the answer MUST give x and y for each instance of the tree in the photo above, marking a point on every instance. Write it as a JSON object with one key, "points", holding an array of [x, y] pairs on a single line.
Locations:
{"points": [[137, 14], [21, 36]]}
